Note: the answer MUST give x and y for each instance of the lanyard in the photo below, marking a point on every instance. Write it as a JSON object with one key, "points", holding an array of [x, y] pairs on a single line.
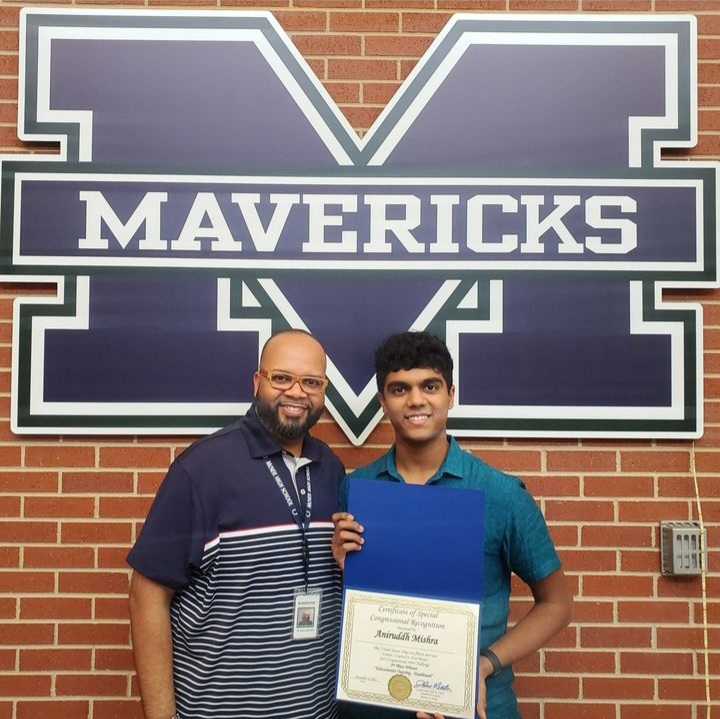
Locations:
{"points": [[302, 522]]}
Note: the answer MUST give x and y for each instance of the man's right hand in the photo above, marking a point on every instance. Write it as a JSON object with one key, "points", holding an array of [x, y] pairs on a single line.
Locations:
{"points": [[346, 537]]}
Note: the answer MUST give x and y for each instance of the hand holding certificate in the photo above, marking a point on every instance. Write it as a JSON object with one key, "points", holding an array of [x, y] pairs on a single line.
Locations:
{"points": [[411, 613]]}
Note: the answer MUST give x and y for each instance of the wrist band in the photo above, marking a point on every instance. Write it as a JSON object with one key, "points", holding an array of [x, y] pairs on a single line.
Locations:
{"points": [[490, 655]]}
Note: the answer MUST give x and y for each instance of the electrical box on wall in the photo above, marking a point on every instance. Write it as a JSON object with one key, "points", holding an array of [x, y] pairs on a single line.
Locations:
{"points": [[682, 546]]}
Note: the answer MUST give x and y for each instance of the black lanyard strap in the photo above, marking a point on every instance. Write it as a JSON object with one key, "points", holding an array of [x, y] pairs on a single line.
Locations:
{"points": [[302, 522]]}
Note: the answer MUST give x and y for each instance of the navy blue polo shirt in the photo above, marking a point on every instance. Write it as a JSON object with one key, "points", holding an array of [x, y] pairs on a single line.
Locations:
{"points": [[221, 534]]}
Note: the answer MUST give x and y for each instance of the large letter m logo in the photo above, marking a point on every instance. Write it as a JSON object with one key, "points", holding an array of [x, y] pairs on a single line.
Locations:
{"points": [[512, 198]]}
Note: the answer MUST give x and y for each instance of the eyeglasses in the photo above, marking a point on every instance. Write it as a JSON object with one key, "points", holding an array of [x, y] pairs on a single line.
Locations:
{"points": [[284, 381]]}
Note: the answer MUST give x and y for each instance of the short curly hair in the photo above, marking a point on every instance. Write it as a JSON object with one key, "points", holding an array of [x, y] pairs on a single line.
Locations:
{"points": [[408, 350]]}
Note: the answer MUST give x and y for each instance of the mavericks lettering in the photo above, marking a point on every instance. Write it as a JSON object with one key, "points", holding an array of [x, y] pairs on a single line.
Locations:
{"points": [[363, 224]]}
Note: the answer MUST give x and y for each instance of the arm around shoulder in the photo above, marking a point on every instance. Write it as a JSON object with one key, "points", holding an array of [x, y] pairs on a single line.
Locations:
{"points": [[152, 645]]}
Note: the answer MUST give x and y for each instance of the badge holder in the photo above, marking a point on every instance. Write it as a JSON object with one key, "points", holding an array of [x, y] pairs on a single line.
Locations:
{"points": [[306, 613]]}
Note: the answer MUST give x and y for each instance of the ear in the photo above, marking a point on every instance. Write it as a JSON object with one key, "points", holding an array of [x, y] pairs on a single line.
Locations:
{"points": [[451, 394], [256, 384], [382, 401]]}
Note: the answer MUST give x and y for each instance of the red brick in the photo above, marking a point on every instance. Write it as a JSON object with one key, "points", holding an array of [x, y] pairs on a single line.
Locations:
{"points": [[512, 460], [588, 560], [64, 507], [707, 461], [582, 460], [23, 634], [96, 634], [616, 536], [8, 661], [306, 21], [579, 510], [364, 22], [617, 586], [616, 5], [361, 69], [9, 506], [655, 461], [640, 561], [617, 688], [379, 93], [396, 46], [8, 607], [471, 5], [591, 662], [643, 612], [95, 482], [679, 586], [324, 45], [556, 5], [148, 482], [679, 637], [589, 611], [344, 92], [548, 686], [25, 685], [10, 17], [112, 557], [584, 710], [122, 507], [134, 456], [27, 482], [58, 556], [656, 711], [429, 22], [357, 456], [93, 582], [554, 486], [117, 709], [9, 557], [59, 456], [328, 3], [114, 660], [55, 659], [55, 608], [47, 708], [96, 532], [654, 663], [566, 639], [26, 582], [111, 608], [22, 532], [684, 5], [564, 536], [643, 510], [634, 637], [9, 456], [93, 684], [688, 689], [618, 486]]}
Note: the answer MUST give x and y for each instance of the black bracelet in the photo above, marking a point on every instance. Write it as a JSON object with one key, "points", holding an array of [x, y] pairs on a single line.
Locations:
{"points": [[493, 659]]}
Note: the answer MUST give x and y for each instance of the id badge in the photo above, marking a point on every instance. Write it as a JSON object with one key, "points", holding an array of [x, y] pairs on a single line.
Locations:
{"points": [[306, 613]]}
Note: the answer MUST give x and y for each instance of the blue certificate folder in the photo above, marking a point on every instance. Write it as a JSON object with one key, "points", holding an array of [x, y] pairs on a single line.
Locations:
{"points": [[420, 540]]}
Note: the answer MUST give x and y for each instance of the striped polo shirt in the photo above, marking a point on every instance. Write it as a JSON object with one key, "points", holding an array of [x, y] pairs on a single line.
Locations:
{"points": [[221, 534]]}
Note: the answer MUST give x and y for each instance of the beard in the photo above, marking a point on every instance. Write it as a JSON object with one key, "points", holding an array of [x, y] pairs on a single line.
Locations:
{"points": [[285, 431]]}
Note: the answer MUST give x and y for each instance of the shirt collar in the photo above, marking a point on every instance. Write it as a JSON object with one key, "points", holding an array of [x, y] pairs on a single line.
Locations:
{"points": [[261, 444], [452, 465]]}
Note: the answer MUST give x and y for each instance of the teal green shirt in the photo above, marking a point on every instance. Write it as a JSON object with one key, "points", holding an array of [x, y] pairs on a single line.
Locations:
{"points": [[516, 540]]}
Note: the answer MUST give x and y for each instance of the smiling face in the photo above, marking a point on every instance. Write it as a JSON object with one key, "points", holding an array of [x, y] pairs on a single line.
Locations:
{"points": [[417, 401], [288, 414]]}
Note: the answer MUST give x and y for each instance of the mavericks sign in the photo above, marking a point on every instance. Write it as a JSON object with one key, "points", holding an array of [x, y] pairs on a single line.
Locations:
{"points": [[511, 199]]}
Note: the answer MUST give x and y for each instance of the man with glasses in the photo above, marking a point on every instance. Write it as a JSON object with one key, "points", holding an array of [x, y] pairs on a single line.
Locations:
{"points": [[236, 547]]}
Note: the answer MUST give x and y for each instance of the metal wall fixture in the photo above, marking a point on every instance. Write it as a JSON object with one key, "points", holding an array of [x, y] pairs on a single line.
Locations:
{"points": [[682, 545]]}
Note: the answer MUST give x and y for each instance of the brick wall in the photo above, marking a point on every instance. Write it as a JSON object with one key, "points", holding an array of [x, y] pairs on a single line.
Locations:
{"points": [[70, 507]]}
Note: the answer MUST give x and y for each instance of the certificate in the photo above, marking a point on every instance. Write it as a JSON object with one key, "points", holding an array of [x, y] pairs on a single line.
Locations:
{"points": [[409, 652]]}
